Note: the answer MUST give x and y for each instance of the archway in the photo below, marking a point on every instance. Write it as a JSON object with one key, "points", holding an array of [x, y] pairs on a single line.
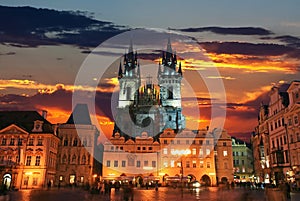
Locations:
{"points": [[205, 180], [7, 180], [191, 178], [224, 180], [139, 181]]}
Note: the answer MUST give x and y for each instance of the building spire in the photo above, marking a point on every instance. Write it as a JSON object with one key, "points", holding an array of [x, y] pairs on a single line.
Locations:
{"points": [[130, 46], [169, 46], [179, 69]]}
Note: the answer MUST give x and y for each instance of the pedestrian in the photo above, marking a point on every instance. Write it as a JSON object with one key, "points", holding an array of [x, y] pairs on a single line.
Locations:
{"points": [[131, 191], [288, 190], [126, 192], [156, 186], [49, 184], [102, 188]]}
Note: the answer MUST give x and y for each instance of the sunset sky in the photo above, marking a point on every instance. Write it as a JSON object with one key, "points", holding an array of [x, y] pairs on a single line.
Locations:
{"points": [[253, 46]]}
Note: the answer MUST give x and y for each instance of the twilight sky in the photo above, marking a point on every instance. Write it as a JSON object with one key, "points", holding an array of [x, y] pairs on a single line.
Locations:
{"points": [[252, 44]]}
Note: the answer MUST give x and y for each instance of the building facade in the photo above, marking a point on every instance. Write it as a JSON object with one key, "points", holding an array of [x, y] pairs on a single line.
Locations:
{"points": [[176, 157], [242, 161], [28, 150], [261, 147], [276, 138], [148, 107], [78, 159]]}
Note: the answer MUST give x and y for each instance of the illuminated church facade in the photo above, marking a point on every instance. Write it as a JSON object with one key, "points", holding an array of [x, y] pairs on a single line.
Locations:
{"points": [[147, 107]]}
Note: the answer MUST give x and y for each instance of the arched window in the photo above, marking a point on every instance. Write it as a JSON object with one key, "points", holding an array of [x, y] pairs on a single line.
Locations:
{"points": [[64, 158], [66, 142], [75, 142], [74, 159], [84, 142], [83, 160]]}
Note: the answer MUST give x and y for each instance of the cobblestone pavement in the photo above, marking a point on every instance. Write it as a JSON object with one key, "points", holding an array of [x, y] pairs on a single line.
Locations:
{"points": [[207, 194]]}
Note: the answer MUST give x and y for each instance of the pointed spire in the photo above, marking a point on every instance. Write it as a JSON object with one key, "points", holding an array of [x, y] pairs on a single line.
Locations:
{"points": [[179, 69], [130, 46], [159, 69], [120, 74], [169, 47]]}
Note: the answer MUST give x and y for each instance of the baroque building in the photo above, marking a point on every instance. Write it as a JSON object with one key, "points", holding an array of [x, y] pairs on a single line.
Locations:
{"points": [[28, 149], [276, 139]]}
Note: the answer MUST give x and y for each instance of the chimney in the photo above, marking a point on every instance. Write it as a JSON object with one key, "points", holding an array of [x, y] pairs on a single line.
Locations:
{"points": [[44, 114]]}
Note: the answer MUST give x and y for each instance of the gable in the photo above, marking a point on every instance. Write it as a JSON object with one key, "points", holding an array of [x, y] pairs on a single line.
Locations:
{"points": [[13, 129]]}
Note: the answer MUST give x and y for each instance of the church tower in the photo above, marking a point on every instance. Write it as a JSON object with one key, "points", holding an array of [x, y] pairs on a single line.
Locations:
{"points": [[129, 80], [169, 81]]}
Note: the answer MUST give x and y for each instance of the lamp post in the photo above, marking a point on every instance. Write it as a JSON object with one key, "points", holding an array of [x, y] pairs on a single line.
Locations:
{"points": [[183, 152]]}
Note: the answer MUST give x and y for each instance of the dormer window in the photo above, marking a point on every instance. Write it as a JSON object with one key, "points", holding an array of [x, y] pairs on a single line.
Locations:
{"points": [[38, 126]]}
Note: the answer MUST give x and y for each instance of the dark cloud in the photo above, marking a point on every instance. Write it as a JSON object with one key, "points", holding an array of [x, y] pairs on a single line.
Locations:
{"points": [[291, 41], [230, 30], [31, 27], [260, 49]]}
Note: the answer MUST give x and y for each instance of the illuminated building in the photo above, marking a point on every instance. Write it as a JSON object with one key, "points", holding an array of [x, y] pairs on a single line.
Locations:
{"points": [[78, 158], [28, 149], [150, 142]]}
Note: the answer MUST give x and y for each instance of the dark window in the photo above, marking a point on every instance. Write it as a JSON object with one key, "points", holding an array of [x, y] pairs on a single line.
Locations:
{"points": [[107, 163], [28, 160], [12, 141], [116, 163], [75, 142], [40, 142], [123, 163], [138, 163], [3, 141], [165, 141], [153, 163], [20, 141], [224, 144], [37, 160], [66, 142]]}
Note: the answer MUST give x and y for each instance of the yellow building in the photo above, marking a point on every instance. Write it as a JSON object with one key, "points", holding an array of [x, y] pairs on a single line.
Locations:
{"points": [[170, 158], [28, 149]]}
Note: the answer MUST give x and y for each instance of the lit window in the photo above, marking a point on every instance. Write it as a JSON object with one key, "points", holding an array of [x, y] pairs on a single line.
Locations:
{"points": [[201, 164], [194, 164], [194, 151], [178, 164], [172, 163], [225, 153], [165, 151], [201, 152], [207, 151], [165, 163]]}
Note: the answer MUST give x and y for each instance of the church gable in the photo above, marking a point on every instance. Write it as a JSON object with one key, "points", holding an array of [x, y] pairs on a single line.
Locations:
{"points": [[13, 129]]}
